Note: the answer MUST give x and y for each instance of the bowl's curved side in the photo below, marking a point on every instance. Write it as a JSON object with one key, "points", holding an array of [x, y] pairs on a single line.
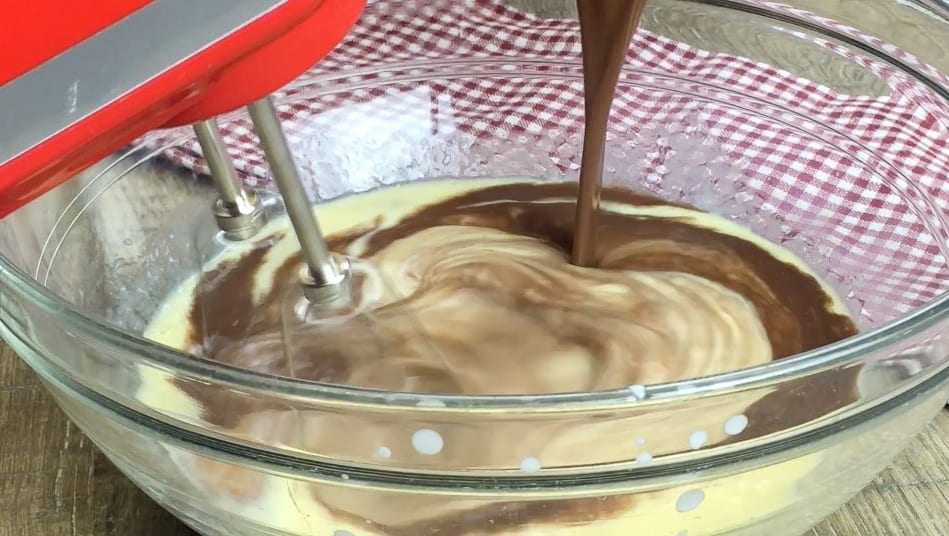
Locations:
{"points": [[219, 489]]}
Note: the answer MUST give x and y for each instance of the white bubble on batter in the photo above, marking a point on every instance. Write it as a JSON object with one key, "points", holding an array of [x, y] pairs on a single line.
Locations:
{"points": [[530, 465], [341, 532], [682, 532], [736, 424], [384, 452], [427, 442], [641, 441], [690, 500], [644, 458], [638, 391], [697, 439]]}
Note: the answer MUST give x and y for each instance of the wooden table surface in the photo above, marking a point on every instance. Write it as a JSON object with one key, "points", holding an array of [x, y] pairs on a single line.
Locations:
{"points": [[53, 482]]}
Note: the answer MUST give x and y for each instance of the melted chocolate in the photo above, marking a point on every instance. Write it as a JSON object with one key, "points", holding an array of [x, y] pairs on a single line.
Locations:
{"points": [[606, 27]]}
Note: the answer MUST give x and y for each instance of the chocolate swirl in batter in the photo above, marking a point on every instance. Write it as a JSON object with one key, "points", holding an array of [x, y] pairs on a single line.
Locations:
{"points": [[479, 286]]}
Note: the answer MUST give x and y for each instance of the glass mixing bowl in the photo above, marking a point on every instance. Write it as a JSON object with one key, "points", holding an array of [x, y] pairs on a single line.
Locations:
{"points": [[815, 135]]}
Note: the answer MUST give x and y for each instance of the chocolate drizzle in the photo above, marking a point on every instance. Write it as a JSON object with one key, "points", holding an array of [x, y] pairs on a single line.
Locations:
{"points": [[606, 26]]}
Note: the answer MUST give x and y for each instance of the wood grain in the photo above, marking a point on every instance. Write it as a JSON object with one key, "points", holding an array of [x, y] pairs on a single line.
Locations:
{"points": [[53, 481]]}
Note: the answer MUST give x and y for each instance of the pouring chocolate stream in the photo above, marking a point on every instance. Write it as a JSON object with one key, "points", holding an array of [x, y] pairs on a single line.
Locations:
{"points": [[606, 27]]}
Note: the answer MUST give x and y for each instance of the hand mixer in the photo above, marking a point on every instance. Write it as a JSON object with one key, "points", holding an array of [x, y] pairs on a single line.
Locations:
{"points": [[78, 82]]}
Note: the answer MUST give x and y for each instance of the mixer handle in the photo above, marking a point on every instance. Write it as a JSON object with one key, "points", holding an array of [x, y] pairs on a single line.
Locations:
{"points": [[84, 82]]}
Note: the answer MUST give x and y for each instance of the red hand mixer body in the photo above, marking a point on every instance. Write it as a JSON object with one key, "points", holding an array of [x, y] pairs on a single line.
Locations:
{"points": [[78, 81]]}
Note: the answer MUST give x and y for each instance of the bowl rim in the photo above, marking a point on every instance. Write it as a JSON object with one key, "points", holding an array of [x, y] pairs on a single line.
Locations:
{"points": [[840, 354]]}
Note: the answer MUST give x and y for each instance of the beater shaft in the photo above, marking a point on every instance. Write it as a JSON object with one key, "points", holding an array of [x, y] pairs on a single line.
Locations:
{"points": [[238, 213], [324, 278], [222, 168]]}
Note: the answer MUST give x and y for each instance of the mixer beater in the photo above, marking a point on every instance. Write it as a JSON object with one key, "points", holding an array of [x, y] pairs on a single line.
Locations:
{"points": [[211, 57], [324, 276]]}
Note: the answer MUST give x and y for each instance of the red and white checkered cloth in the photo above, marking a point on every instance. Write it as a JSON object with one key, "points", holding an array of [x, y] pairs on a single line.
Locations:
{"points": [[822, 171]]}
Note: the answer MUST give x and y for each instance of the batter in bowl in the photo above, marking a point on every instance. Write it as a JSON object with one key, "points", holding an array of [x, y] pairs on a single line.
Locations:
{"points": [[464, 286]]}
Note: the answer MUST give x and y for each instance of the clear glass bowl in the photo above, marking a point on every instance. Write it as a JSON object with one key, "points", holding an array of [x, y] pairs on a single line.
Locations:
{"points": [[827, 140]]}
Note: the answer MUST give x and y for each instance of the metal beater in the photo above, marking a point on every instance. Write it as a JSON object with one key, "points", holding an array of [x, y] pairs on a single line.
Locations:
{"points": [[84, 82], [324, 275]]}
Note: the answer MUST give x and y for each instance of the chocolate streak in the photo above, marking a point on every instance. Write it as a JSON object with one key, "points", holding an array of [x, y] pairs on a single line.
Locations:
{"points": [[795, 311], [791, 304], [606, 27]]}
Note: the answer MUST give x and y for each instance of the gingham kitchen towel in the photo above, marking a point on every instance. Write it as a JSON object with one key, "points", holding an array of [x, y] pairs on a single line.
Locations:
{"points": [[814, 158]]}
